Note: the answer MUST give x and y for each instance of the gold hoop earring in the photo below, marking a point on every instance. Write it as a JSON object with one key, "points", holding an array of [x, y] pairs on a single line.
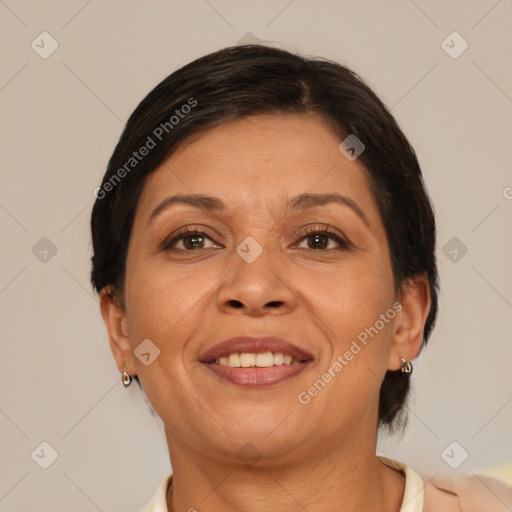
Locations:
{"points": [[127, 380], [406, 366]]}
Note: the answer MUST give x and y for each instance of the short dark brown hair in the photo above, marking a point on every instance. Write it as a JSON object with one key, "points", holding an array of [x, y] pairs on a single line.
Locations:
{"points": [[248, 80]]}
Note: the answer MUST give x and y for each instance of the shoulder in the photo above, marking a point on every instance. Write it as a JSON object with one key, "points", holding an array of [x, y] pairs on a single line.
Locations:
{"points": [[466, 493]]}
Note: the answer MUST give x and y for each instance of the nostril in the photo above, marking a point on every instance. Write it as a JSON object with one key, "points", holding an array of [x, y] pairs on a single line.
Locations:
{"points": [[272, 304]]}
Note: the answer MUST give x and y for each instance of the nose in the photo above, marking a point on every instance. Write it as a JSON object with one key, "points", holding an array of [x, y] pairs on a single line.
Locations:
{"points": [[258, 288]]}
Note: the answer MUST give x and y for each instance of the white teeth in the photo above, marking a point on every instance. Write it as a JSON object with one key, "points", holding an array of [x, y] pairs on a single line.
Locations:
{"points": [[247, 360], [278, 358], [233, 360], [261, 360], [265, 360]]}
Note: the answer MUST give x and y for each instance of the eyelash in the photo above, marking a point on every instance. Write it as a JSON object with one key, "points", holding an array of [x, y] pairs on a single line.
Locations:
{"points": [[324, 230], [167, 245]]}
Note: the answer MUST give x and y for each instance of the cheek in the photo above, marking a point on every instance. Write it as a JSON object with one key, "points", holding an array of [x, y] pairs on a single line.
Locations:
{"points": [[358, 323], [167, 306], [156, 298], [350, 298], [354, 309], [165, 309]]}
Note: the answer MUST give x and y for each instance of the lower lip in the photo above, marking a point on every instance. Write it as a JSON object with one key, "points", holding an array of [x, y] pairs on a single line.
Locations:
{"points": [[257, 377]]}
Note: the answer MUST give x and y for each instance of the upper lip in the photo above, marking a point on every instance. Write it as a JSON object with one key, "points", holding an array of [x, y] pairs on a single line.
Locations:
{"points": [[254, 345]]}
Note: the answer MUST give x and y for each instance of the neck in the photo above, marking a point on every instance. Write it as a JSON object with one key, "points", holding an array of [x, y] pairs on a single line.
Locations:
{"points": [[340, 476]]}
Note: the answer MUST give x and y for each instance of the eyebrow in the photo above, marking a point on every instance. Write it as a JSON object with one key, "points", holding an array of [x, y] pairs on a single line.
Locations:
{"points": [[301, 202]]}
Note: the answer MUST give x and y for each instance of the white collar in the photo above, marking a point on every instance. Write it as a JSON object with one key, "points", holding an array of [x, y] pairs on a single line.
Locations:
{"points": [[413, 492]]}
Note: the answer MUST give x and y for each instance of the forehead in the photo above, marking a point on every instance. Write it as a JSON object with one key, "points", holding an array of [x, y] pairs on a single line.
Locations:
{"points": [[257, 162]]}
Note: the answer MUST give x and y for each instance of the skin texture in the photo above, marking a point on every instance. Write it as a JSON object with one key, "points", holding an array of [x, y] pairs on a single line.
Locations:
{"points": [[315, 456]]}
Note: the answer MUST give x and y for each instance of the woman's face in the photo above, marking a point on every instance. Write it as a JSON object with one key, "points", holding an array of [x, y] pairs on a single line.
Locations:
{"points": [[257, 269]]}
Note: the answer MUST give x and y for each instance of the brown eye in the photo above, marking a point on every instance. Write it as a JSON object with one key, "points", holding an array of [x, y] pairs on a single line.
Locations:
{"points": [[319, 239], [191, 240]]}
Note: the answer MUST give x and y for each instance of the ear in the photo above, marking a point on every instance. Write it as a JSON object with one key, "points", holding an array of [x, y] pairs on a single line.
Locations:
{"points": [[410, 322], [114, 316]]}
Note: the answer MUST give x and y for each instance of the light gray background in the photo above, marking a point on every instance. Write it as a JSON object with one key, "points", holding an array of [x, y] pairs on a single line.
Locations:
{"points": [[61, 118]]}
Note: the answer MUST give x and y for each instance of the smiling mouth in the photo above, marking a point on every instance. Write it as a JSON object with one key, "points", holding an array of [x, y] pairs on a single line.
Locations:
{"points": [[255, 360], [256, 369]]}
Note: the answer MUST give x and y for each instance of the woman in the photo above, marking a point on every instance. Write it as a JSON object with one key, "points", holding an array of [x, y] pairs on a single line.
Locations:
{"points": [[264, 251]]}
